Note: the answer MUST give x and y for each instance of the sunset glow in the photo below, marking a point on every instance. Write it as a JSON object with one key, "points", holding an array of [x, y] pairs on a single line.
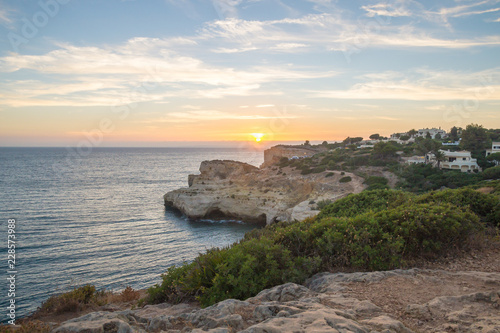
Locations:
{"points": [[159, 72], [258, 136]]}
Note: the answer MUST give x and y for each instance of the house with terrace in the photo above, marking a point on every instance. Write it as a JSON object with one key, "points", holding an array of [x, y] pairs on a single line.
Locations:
{"points": [[455, 160], [495, 148], [432, 132]]}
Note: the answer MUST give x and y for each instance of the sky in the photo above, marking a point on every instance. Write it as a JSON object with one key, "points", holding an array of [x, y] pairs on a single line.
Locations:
{"points": [[215, 72]]}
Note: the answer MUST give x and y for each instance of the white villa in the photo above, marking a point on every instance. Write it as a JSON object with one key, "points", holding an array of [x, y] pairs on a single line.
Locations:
{"points": [[456, 160], [416, 160], [495, 148], [432, 131]]}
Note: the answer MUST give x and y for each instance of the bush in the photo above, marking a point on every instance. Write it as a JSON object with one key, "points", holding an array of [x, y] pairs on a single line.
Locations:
{"points": [[491, 173], [422, 178], [372, 180], [29, 326], [355, 204], [345, 179], [376, 183], [381, 240], [323, 203], [486, 206], [375, 230], [72, 301], [237, 272]]}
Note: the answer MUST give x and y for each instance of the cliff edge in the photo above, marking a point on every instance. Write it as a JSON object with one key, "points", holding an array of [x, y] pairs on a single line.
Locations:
{"points": [[236, 190], [462, 296]]}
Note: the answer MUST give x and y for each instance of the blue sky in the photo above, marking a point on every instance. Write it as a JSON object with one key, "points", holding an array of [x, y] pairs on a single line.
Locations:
{"points": [[160, 72]]}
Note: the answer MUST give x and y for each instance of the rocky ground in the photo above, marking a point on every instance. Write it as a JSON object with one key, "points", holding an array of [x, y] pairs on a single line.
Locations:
{"points": [[452, 295]]}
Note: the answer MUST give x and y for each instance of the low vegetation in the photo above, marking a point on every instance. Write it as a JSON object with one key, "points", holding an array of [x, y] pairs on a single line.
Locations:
{"points": [[81, 299], [373, 230]]}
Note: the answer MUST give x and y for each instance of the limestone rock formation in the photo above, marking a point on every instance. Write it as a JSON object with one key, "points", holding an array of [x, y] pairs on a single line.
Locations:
{"points": [[327, 303], [236, 190], [274, 154]]}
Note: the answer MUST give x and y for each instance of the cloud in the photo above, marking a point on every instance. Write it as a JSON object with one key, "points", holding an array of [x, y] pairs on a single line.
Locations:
{"points": [[213, 115], [5, 16], [387, 9], [422, 85], [332, 32], [443, 14], [140, 70], [226, 8]]}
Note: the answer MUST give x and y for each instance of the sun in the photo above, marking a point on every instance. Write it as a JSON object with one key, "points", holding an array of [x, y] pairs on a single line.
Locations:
{"points": [[258, 136]]}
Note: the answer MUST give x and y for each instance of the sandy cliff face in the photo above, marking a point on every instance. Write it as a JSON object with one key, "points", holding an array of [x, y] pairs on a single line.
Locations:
{"points": [[229, 189], [274, 154]]}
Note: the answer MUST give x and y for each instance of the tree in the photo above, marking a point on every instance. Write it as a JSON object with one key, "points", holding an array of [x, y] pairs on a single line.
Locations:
{"points": [[384, 150], [404, 137], [474, 138], [494, 157], [454, 134], [439, 156], [428, 146], [438, 136], [412, 132], [428, 135], [349, 140], [494, 134], [307, 143], [375, 136], [325, 143]]}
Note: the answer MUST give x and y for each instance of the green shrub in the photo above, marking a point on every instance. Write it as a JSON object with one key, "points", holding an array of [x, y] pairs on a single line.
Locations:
{"points": [[491, 173], [376, 183], [381, 240], [422, 178], [323, 203], [372, 180], [355, 204], [345, 179], [374, 230], [237, 272], [72, 301], [330, 174], [486, 206]]}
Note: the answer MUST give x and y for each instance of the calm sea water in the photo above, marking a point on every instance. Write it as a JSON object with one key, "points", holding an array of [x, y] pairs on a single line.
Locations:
{"points": [[100, 218]]}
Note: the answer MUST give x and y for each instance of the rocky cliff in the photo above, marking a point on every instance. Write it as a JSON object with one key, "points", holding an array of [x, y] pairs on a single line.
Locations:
{"points": [[274, 154], [235, 190]]}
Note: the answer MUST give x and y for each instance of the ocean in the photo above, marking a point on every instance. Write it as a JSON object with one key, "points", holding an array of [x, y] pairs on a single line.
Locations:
{"points": [[98, 217]]}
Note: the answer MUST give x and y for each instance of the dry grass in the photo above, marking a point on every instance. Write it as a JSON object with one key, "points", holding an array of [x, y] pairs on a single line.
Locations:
{"points": [[32, 326], [485, 190]]}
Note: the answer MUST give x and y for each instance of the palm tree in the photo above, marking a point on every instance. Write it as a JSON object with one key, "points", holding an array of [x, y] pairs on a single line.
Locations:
{"points": [[439, 156]]}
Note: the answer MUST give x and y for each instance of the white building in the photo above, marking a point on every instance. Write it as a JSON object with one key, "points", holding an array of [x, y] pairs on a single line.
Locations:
{"points": [[495, 148], [416, 160], [432, 132], [456, 160]]}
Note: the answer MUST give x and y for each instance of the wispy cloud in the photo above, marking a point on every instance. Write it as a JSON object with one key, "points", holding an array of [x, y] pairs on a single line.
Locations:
{"points": [[213, 115], [324, 31], [422, 85], [145, 67], [5, 16], [445, 13], [387, 9]]}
